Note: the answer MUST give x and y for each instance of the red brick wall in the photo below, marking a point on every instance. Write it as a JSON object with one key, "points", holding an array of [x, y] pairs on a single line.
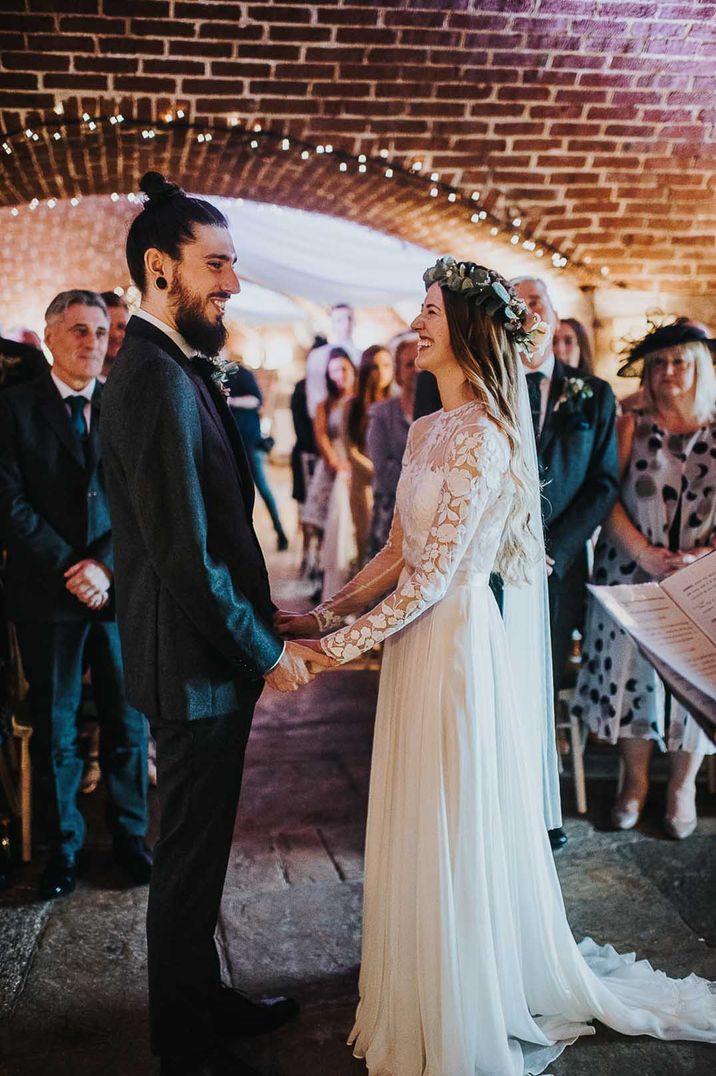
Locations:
{"points": [[591, 120]]}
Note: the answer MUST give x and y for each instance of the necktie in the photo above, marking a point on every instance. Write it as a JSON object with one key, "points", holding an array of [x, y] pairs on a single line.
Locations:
{"points": [[534, 381], [77, 406]]}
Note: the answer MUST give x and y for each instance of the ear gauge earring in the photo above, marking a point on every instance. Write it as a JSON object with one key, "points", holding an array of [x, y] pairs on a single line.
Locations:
{"points": [[161, 282]]}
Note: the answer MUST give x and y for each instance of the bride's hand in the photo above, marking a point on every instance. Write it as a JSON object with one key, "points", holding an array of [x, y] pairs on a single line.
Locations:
{"points": [[314, 656], [296, 625]]}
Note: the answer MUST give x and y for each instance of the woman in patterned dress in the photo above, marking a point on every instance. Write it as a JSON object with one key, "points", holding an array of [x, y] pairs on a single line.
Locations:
{"points": [[665, 517], [328, 427]]}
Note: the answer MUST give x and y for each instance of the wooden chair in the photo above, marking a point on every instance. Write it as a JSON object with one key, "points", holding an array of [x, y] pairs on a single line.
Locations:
{"points": [[15, 765], [569, 724]]}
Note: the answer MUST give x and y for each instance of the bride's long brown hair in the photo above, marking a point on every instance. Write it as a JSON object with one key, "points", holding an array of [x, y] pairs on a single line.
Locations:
{"points": [[491, 364]]}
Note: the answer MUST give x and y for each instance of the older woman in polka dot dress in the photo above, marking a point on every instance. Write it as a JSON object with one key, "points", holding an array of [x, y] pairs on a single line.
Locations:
{"points": [[666, 516]]}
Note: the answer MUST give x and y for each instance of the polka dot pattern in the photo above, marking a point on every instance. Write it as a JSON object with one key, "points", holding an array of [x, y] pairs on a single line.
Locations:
{"points": [[618, 693]]}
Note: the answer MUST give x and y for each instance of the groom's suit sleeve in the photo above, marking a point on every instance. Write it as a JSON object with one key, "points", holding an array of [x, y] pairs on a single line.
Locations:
{"points": [[163, 469], [597, 494]]}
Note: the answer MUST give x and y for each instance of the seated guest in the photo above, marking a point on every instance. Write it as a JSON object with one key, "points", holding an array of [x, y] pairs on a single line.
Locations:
{"points": [[572, 346], [54, 517], [664, 518], [375, 382], [118, 310], [245, 401], [388, 425]]}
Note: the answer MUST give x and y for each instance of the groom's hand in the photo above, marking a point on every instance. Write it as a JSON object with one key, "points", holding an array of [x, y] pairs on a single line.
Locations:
{"points": [[291, 671], [296, 625]]}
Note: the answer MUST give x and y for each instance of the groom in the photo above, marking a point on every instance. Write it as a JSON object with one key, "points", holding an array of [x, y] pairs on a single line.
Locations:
{"points": [[194, 610]]}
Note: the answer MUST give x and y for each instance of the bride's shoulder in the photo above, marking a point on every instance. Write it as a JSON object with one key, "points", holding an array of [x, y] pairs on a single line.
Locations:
{"points": [[480, 436]]}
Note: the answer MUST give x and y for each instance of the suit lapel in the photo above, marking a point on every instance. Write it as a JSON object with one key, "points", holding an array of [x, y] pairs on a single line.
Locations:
{"points": [[55, 412], [138, 327], [214, 405], [93, 442], [555, 391]]}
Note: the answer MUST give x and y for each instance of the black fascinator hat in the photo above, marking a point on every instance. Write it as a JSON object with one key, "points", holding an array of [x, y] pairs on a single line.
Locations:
{"points": [[166, 222], [660, 337]]}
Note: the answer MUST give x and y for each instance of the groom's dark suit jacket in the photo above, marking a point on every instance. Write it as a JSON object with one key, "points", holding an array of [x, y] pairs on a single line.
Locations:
{"points": [[193, 598]]}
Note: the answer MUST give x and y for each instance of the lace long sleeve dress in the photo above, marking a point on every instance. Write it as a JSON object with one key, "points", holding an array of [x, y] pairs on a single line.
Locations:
{"points": [[469, 967]]}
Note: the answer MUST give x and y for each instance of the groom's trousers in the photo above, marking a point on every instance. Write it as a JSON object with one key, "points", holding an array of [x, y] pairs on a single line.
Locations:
{"points": [[199, 768]]}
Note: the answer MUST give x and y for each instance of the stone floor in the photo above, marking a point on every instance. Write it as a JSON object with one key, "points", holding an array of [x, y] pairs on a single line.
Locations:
{"points": [[72, 974]]}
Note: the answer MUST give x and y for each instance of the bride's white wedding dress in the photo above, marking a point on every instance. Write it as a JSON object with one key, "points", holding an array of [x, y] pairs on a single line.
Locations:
{"points": [[469, 966]]}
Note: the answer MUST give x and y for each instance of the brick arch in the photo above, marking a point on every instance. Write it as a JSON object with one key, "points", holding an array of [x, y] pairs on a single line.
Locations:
{"points": [[56, 157], [593, 120]]}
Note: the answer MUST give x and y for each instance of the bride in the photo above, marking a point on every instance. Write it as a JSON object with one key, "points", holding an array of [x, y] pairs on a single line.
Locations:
{"points": [[469, 967]]}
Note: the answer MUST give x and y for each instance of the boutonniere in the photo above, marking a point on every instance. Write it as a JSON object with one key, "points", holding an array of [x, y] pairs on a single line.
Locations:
{"points": [[575, 391], [220, 370], [223, 369]]}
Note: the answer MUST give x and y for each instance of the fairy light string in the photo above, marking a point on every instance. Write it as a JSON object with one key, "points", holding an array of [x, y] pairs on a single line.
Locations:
{"points": [[255, 140]]}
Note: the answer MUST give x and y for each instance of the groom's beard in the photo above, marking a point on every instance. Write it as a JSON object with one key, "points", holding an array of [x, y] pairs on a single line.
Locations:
{"points": [[206, 336]]}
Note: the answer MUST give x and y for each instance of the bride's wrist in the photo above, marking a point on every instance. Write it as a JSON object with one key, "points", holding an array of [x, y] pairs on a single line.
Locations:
{"points": [[325, 617]]}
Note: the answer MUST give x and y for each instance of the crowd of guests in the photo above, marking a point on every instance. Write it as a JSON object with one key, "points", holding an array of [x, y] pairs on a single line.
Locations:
{"points": [[636, 484], [351, 415]]}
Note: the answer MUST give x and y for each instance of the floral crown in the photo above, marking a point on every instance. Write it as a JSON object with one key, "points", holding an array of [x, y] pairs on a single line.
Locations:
{"points": [[491, 292]]}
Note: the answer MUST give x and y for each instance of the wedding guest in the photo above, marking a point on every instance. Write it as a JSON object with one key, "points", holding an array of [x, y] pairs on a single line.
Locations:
{"points": [[303, 462], [427, 395], [386, 437], [54, 516], [341, 335], [337, 542], [19, 362], [572, 345], [22, 335], [574, 426], [375, 383], [245, 400], [664, 518], [118, 310], [340, 379]]}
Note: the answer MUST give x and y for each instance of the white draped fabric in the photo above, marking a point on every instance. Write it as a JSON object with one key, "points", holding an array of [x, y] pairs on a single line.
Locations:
{"points": [[469, 965], [329, 260]]}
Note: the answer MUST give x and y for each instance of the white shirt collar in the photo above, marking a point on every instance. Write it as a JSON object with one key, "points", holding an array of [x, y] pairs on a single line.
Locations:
{"points": [[546, 369], [175, 336], [65, 390]]}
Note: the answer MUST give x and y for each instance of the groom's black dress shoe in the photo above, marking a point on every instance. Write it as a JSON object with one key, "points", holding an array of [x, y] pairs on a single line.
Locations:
{"points": [[235, 1015], [133, 856], [58, 878], [557, 838], [219, 1063]]}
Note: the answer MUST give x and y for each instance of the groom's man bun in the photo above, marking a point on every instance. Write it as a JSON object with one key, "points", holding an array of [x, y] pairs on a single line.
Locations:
{"points": [[166, 222]]}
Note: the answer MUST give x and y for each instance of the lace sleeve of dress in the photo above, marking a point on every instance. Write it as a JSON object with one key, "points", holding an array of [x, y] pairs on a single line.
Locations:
{"points": [[473, 469], [372, 582], [379, 575]]}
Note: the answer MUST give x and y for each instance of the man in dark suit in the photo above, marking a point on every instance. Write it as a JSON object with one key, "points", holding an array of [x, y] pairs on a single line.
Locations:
{"points": [[54, 520], [194, 609], [574, 421]]}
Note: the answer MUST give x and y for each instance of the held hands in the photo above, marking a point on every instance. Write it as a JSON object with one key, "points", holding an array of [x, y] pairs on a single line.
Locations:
{"points": [[317, 658], [291, 672], [89, 581], [296, 625]]}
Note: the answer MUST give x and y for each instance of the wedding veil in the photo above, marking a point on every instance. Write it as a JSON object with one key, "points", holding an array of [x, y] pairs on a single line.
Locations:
{"points": [[526, 615]]}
